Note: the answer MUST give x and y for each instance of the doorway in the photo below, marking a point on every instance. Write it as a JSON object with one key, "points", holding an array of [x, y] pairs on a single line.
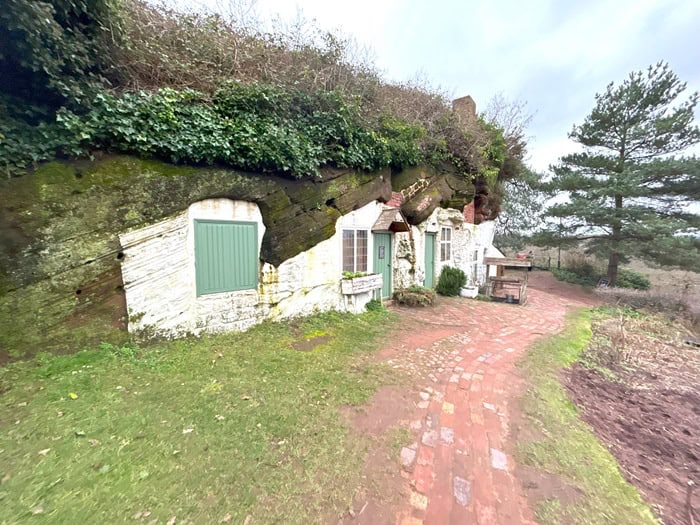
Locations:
{"points": [[429, 260], [382, 261]]}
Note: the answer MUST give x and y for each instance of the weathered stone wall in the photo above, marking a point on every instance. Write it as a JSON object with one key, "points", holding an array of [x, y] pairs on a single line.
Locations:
{"points": [[159, 275], [60, 255], [424, 189], [467, 238]]}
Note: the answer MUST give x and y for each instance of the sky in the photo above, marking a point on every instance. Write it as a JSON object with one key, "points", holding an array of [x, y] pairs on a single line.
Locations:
{"points": [[555, 55]]}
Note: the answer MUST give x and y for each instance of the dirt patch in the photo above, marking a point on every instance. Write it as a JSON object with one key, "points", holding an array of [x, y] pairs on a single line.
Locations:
{"points": [[545, 281], [648, 412], [308, 344], [541, 486], [538, 485], [384, 487], [389, 407]]}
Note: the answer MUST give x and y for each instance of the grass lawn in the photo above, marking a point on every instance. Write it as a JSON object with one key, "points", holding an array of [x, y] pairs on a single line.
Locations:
{"points": [[568, 447], [202, 429]]}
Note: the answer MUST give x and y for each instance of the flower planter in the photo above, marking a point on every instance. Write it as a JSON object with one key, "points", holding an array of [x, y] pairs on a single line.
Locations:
{"points": [[363, 284], [469, 291]]}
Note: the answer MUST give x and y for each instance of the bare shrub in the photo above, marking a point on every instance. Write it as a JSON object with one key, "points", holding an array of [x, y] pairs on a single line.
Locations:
{"points": [[201, 50], [662, 300], [667, 301]]}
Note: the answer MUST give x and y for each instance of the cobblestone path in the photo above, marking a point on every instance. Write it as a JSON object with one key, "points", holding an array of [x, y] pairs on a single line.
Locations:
{"points": [[462, 354]]}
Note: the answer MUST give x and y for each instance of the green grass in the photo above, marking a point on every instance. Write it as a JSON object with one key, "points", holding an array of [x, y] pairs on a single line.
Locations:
{"points": [[569, 447], [399, 437], [235, 424]]}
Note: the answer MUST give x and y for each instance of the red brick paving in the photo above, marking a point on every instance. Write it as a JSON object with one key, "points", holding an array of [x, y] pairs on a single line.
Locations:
{"points": [[464, 353]]}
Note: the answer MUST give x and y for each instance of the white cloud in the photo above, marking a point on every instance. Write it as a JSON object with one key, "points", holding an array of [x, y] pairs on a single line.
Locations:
{"points": [[555, 55]]}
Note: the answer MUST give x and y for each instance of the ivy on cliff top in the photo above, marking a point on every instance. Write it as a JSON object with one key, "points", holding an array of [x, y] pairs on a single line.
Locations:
{"points": [[68, 70], [249, 127]]}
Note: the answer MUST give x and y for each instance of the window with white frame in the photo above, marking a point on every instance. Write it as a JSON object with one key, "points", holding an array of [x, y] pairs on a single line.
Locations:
{"points": [[475, 265], [445, 244], [355, 250]]}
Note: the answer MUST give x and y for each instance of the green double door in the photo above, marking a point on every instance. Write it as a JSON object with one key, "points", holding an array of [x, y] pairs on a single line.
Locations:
{"points": [[429, 260], [382, 261]]}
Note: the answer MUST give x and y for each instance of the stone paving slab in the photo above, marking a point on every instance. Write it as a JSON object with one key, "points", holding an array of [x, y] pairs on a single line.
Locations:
{"points": [[464, 352]]}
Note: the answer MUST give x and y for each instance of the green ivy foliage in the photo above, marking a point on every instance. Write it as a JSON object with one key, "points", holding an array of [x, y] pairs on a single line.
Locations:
{"points": [[249, 127], [67, 68], [26, 135], [56, 52]]}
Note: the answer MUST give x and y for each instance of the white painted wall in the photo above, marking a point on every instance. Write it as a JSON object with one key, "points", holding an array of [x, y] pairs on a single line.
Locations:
{"points": [[159, 273], [156, 272], [492, 251], [484, 240], [463, 244]]}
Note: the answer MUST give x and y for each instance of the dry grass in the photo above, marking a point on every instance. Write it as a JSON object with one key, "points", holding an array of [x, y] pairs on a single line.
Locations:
{"points": [[203, 50], [673, 291], [640, 343]]}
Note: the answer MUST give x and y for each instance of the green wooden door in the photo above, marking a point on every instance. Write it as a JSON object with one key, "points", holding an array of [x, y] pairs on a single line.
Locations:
{"points": [[429, 260], [225, 256], [382, 261]]}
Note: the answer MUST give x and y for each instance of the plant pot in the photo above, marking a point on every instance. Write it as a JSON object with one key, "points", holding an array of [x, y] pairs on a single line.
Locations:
{"points": [[469, 291]]}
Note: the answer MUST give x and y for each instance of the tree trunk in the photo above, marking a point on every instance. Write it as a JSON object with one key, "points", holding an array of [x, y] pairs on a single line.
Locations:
{"points": [[613, 262], [614, 259]]}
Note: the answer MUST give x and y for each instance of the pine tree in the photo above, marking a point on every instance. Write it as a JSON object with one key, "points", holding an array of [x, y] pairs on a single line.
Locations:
{"points": [[630, 192], [521, 211]]}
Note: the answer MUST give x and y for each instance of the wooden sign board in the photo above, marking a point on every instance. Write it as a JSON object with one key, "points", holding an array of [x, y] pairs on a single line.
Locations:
{"points": [[361, 284]]}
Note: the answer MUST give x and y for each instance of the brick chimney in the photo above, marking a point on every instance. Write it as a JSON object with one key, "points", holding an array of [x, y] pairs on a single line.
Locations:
{"points": [[465, 108], [396, 200], [469, 213]]}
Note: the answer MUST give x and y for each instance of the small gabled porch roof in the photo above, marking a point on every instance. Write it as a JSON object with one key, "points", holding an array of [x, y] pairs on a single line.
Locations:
{"points": [[391, 219]]}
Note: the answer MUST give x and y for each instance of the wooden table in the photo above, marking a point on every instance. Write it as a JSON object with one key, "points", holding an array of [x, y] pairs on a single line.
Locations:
{"points": [[497, 284]]}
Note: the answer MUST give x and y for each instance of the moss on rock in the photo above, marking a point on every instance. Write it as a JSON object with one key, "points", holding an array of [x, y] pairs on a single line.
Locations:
{"points": [[60, 280], [59, 226]]}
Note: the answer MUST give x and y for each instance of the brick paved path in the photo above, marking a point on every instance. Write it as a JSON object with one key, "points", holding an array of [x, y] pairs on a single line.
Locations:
{"points": [[462, 354]]}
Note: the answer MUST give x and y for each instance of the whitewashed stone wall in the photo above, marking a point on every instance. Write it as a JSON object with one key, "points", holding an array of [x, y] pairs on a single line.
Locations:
{"points": [[484, 233], [159, 274], [156, 270], [463, 241]]}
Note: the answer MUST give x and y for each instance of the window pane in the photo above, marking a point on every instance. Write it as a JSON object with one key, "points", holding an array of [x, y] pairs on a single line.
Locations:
{"points": [[348, 251], [442, 252], [448, 234], [442, 234], [361, 263], [448, 250]]}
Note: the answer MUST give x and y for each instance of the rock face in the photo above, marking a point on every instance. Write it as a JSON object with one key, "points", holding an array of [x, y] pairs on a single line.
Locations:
{"points": [[60, 278], [425, 188]]}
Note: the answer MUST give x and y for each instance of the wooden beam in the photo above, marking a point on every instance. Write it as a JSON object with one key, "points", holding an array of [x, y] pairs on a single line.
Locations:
{"points": [[508, 261]]}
